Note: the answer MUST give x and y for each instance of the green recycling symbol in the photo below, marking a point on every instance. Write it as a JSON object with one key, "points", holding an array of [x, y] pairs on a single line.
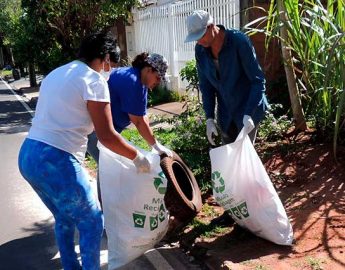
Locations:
{"points": [[139, 220], [240, 211], [243, 209], [161, 214], [158, 182], [218, 182], [153, 222]]}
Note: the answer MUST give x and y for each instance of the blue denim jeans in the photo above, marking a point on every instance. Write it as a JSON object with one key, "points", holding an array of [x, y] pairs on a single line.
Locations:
{"points": [[62, 184]]}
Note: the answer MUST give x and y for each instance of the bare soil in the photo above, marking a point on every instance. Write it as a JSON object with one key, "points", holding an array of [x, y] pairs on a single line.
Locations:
{"points": [[311, 186]]}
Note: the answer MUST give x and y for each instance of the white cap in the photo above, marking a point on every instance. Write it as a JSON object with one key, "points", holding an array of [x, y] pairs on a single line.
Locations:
{"points": [[197, 24]]}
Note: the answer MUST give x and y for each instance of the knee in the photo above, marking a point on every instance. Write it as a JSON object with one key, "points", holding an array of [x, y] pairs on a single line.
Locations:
{"points": [[96, 221]]}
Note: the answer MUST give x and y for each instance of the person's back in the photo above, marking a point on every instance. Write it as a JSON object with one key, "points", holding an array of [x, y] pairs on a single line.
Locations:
{"points": [[62, 124], [127, 94]]}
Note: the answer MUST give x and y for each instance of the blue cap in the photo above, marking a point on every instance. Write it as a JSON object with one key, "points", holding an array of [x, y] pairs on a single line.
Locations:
{"points": [[197, 24]]}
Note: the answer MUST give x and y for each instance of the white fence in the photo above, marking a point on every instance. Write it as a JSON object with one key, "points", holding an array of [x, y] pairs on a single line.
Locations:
{"points": [[162, 29]]}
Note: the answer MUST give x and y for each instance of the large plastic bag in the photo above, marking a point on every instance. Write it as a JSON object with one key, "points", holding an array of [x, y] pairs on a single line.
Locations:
{"points": [[243, 188], [135, 215]]}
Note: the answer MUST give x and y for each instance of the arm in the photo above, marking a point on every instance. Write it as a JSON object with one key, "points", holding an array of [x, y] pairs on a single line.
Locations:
{"points": [[253, 71], [101, 117], [143, 126], [206, 88]]}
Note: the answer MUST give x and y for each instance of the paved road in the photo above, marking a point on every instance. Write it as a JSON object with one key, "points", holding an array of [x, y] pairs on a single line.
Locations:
{"points": [[26, 226]]}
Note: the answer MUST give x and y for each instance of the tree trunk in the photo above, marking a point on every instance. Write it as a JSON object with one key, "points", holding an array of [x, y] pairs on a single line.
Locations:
{"points": [[32, 74], [296, 105]]}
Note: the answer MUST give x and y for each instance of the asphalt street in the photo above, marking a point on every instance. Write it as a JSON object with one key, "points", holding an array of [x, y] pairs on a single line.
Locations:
{"points": [[26, 226]]}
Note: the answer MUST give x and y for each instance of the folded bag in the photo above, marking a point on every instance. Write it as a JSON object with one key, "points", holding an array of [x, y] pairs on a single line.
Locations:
{"points": [[135, 215], [243, 188]]}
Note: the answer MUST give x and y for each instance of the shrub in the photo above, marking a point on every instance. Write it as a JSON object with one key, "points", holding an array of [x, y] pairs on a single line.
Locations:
{"points": [[161, 94]]}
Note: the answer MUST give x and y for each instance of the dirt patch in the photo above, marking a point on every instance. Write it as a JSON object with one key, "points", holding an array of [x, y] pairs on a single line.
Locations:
{"points": [[311, 186]]}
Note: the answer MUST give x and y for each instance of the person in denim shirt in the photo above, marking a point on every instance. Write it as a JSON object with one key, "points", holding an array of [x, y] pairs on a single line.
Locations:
{"points": [[229, 76]]}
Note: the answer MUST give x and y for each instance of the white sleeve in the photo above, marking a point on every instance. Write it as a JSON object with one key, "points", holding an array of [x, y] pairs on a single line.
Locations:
{"points": [[97, 91]]}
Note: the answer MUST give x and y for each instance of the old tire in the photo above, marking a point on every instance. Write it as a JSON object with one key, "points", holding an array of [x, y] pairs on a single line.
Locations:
{"points": [[183, 196]]}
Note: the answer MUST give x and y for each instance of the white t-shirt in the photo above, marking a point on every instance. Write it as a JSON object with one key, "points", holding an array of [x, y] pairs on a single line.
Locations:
{"points": [[61, 118]]}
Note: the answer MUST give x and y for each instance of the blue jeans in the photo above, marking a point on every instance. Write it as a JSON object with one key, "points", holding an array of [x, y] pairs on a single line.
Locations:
{"points": [[62, 184]]}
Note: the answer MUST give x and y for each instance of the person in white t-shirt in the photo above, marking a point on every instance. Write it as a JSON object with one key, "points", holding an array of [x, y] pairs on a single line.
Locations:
{"points": [[74, 100]]}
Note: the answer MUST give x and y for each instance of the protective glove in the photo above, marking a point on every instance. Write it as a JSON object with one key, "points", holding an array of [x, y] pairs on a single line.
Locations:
{"points": [[211, 129], [141, 163], [248, 123], [161, 149]]}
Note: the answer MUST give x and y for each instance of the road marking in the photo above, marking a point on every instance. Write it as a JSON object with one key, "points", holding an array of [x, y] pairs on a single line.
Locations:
{"points": [[157, 260], [19, 98]]}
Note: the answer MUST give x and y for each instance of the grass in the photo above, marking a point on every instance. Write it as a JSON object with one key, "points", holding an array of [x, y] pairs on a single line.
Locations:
{"points": [[315, 263], [208, 211], [208, 230], [161, 95], [90, 163]]}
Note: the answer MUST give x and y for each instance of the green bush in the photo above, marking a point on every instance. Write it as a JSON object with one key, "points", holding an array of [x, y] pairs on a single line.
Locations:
{"points": [[186, 135], [160, 95], [275, 125]]}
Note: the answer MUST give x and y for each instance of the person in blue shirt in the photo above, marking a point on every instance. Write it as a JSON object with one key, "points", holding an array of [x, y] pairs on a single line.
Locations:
{"points": [[229, 76], [128, 88]]}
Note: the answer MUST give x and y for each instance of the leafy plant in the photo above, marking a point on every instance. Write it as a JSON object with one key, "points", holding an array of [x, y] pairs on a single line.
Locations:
{"points": [[162, 94], [274, 126], [315, 35], [190, 74]]}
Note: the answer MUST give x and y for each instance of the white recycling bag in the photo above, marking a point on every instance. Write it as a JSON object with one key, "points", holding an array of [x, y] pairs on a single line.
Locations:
{"points": [[135, 215], [243, 188]]}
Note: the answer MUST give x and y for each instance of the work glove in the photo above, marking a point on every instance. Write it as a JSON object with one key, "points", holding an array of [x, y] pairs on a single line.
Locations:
{"points": [[161, 149], [141, 163], [211, 129], [248, 123]]}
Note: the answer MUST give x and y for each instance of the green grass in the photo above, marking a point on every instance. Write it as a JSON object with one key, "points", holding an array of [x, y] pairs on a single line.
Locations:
{"points": [[161, 95], [132, 135], [315, 263], [207, 230], [208, 211], [90, 163]]}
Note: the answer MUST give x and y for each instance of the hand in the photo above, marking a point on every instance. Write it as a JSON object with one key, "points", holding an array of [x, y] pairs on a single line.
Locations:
{"points": [[248, 123], [141, 163], [211, 129], [161, 149]]}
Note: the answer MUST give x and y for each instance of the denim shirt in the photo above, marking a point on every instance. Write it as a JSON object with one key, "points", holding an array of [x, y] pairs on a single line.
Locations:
{"points": [[239, 88]]}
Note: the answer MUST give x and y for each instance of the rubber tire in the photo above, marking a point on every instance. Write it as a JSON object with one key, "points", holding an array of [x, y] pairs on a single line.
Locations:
{"points": [[183, 196]]}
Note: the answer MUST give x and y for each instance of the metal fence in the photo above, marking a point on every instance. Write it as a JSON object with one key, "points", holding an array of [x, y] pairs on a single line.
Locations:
{"points": [[162, 29]]}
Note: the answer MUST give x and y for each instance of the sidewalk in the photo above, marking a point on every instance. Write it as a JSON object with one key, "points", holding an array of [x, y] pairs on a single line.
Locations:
{"points": [[22, 88]]}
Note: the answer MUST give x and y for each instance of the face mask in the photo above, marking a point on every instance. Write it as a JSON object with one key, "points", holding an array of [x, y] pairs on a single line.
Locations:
{"points": [[106, 74]]}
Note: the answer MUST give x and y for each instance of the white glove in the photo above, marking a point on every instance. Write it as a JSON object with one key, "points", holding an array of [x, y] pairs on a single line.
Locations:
{"points": [[211, 129], [161, 149], [248, 123], [141, 163]]}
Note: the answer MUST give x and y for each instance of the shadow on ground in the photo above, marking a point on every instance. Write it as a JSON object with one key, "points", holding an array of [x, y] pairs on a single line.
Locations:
{"points": [[34, 252]]}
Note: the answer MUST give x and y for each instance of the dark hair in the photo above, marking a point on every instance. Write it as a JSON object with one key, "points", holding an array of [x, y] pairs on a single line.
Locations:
{"points": [[140, 61], [97, 45]]}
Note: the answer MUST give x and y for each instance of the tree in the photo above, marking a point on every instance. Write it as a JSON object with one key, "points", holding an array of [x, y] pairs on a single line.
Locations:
{"points": [[71, 20], [47, 33], [296, 105]]}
